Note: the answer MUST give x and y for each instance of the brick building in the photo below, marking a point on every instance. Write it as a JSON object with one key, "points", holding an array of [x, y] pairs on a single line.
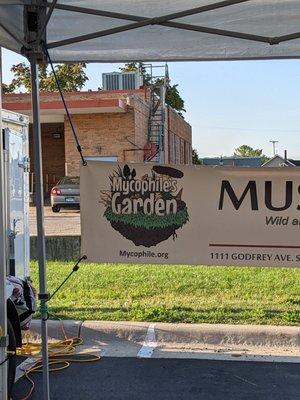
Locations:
{"points": [[108, 123]]}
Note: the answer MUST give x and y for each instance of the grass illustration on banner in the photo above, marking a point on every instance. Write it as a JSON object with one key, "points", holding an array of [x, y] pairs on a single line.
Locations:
{"points": [[146, 210]]}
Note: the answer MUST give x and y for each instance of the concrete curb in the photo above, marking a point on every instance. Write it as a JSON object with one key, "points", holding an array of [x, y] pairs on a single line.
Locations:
{"points": [[237, 335], [190, 334]]}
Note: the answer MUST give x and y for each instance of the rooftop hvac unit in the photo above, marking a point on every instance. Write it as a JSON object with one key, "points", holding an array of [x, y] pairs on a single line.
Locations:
{"points": [[122, 80]]}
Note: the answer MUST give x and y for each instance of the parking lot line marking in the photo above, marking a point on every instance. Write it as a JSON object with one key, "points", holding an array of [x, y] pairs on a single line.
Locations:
{"points": [[149, 344]]}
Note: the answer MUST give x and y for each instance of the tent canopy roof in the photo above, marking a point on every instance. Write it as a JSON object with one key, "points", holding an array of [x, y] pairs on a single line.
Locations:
{"points": [[156, 30]]}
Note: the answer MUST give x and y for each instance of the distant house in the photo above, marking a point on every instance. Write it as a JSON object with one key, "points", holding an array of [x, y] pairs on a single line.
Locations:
{"points": [[278, 161], [232, 161]]}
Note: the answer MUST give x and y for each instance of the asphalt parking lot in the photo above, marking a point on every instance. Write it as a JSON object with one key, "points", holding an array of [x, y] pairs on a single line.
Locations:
{"points": [[114, 378], [137, 363], [66, 222]]}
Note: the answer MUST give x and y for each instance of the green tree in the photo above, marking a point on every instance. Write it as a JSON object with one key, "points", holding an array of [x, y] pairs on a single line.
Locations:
{"points": [[173, 98], [195, 157], [72, 77], [247, 151], [6, 88]]}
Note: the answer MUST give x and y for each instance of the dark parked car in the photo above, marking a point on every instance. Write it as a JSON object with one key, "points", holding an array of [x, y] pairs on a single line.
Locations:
{"points": [[66, 194]]}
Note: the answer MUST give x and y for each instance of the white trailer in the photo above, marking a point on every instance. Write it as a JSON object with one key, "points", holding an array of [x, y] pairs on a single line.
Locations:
{"points": [[16, 161], [14, 169]]}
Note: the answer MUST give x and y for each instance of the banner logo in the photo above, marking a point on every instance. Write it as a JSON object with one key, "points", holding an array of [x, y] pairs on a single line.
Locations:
{"points": [[146, 210]]}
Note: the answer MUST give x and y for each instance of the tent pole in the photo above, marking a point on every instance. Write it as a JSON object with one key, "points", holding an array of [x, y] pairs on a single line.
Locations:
{"points": [[39, 201], [3, 264]]}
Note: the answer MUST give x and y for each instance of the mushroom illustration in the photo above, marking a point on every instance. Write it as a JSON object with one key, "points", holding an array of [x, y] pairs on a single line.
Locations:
{"points": [[133, 173], [126, 171], [169, 171], [142, 228]]}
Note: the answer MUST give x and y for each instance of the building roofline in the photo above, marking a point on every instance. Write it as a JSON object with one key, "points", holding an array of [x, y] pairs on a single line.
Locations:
{"points": [[77, 106], [231, 158], [78, 93], [282, 158]]}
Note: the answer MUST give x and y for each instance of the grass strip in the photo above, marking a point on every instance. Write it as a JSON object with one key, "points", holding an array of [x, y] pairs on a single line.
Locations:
{"points": [[193, 294]]}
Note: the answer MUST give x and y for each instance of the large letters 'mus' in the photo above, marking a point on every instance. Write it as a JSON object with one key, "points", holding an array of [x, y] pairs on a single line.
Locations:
{"points": [[251, 190]]}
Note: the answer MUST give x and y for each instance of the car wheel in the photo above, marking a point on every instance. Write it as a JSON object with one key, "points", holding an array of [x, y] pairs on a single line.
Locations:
{"points": [[11, 370], [56, 209]]}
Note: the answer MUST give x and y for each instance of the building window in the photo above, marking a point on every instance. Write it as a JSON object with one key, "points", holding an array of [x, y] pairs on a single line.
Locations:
{"points": [[172, 148], [177, 150], [181, 151]]}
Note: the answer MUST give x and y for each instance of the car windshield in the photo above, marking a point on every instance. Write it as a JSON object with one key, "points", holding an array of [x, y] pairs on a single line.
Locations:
{"points": [[69, 180]]}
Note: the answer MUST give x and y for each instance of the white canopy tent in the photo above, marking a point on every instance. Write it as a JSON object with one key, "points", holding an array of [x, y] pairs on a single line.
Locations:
{"points": [[139, 30], [170, 30]]}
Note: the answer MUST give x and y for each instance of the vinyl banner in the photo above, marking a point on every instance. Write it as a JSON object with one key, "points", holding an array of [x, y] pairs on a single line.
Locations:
{"points": [[147, 213]]}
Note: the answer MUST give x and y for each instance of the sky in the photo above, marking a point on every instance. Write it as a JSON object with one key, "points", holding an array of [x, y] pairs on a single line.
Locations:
{"points": [[228, 104]]}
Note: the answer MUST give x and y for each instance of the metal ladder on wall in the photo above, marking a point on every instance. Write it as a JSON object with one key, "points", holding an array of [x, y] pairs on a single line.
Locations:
{"points": [[156, 121]]}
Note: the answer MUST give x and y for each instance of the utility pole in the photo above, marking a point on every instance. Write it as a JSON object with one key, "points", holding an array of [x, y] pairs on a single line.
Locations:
{"points": [[39, 198], [274, 142]]}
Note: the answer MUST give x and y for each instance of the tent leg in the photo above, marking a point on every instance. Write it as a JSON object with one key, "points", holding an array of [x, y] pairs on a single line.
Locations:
{"points": [[39, 201], [3, 265]]}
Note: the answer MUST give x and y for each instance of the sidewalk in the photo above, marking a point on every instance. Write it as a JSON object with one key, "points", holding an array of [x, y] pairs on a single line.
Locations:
{"points": [[161, 340]]}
